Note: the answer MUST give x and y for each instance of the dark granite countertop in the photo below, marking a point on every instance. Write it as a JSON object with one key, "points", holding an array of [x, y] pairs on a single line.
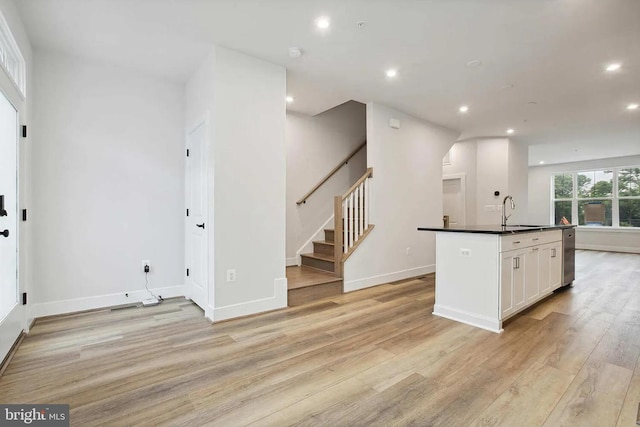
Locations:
{"points": [[496, 229]]}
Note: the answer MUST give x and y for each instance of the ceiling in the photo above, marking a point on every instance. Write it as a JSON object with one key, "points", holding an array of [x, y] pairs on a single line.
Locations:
{"points": [[541, 73]]}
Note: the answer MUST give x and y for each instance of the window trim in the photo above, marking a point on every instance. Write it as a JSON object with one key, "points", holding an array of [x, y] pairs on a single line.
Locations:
{"points": [[10, 50]]}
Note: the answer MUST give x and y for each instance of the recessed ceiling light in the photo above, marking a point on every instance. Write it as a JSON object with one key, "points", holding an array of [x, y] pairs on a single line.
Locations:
{"points": [[541, 162], [391, 73], [463, 109], [289, 99], [613, 67], [510, 131], [632, 106], [323, 22], [295, 52]]}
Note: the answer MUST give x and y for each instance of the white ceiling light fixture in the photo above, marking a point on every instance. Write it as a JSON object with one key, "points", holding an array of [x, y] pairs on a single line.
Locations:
{"points": [[615, 66], [289, 99], [541, 162], [463, 108], [391, 73], [510, 131], [474, 63], [323, 22], [295, 52], [633, 106]]}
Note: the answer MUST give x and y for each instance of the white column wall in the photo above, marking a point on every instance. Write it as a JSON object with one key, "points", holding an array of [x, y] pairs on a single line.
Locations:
{"points": [[406, 193]]}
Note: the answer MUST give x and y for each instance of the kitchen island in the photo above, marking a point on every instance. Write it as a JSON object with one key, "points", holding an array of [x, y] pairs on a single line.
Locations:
{"points": [[486, 274]]}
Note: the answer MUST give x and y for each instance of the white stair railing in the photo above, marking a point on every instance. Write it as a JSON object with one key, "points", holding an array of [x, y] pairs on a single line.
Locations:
{"points": [[351, 212]]}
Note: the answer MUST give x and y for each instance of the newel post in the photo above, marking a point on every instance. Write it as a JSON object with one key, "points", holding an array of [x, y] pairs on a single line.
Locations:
{"points": [[338, 234]]}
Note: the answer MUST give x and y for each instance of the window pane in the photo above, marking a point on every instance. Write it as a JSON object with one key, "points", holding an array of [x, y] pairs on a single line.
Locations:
{"points": [[629, 212], [562, 210], [594, 184], [563, 185], [629, 183], [595, 213]]}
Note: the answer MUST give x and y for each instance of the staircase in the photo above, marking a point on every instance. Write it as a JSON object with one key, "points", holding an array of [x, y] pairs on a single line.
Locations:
{"points": [[315, 278], [323, 256], [320, 272]]}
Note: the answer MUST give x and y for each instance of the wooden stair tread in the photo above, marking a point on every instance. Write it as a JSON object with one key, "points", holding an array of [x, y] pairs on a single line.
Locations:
{"points": [[316, 255], [303, 276], [324, 242]]}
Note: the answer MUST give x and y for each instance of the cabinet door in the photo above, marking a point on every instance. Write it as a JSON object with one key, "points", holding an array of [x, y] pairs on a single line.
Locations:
{"points": [[512, 297], [507, 266], [555, 266], [544, 268], [531, 274]]}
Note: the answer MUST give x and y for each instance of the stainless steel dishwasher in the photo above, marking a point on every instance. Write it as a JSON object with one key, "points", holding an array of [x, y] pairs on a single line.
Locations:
{"points": [[569, 256]]}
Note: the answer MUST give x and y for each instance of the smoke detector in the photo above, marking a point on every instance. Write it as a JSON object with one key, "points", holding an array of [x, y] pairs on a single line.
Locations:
{"points": [[295, 52]]}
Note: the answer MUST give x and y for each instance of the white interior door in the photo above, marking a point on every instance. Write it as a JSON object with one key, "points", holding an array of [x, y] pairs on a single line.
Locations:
{"points": [[453, 202], [11, 323], [196, 226]]}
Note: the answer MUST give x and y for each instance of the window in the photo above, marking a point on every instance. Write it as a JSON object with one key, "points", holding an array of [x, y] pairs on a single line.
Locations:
{"points": [[597, 198], [629, 197], [11, 60]]}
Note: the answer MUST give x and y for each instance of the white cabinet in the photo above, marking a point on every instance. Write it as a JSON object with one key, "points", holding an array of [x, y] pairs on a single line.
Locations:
{"points": [[552, 278], [528, 274], [532, 275], [512, 293]]}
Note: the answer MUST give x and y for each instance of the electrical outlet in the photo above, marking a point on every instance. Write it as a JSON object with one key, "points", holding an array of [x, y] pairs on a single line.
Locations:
{"points": [[465, 252], [146, 262], [408, 251], [231, 275]]}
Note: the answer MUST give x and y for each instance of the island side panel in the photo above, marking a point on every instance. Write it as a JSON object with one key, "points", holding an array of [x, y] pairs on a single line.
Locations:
{"points": [[467, 278]]}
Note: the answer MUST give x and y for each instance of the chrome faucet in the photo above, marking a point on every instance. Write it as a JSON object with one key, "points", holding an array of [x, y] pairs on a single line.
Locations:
{"points": [[505, 217]]}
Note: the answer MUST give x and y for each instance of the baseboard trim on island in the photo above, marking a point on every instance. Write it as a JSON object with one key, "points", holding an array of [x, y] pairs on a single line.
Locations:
{"points": [[468, 318]]}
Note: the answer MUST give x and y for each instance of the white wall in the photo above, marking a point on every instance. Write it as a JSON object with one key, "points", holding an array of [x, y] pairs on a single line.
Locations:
{"points": [[246, 99], [518, 182], [406, 193], [622, 240], [108, 181], [492, 164], [315, 145]]}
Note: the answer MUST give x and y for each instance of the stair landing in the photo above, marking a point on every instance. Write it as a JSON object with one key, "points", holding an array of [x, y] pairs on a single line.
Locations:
{"points": [[306, 285]]}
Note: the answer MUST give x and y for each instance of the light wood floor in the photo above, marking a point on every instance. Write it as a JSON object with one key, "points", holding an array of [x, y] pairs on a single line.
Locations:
{"points": [[374, 357]]}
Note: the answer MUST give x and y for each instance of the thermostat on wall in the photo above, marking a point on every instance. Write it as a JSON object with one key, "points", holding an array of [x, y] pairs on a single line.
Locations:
{"points": [[394, 123]]}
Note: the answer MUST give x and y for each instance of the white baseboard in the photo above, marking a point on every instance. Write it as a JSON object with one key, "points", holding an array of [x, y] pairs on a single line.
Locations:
{"points": [[100, 301], [605, 248], [367, 282], [291, 262], [278, 300], [472, 319]]}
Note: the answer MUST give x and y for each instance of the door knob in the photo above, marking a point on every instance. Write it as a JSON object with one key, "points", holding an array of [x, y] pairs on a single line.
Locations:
{"points": [[5, 233], [200, 225]]}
